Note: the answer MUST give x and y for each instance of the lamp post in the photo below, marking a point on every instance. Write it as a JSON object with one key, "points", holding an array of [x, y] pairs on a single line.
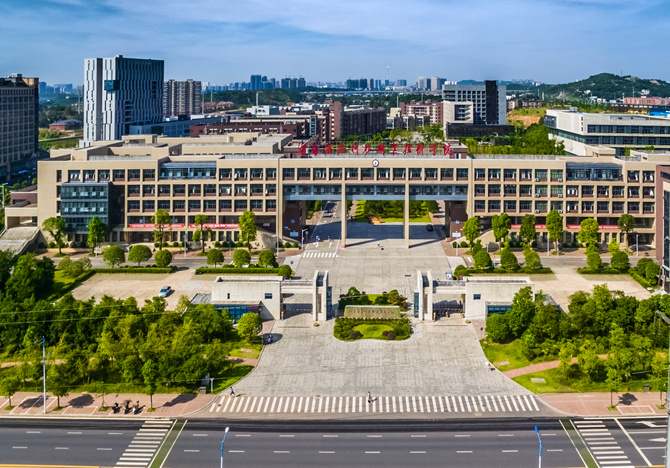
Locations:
{"points": [[224, 439], [302, 237], [44, 373], [637, 251], [667, 440], [539, 463]]}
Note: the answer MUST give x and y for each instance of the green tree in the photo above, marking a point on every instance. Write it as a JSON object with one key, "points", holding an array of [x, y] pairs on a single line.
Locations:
{"points": [[248, 228], [527, 231], [214, 257], [431, 206], [472, 229], [507, 258], [76, 268], [10, 383], [163, 258], [183, 304], [31, 277], [285, 271], [651, 271], [626, 224], [588, 359], [139, 253], [160, 220], [501, 225], [620, 261], [150, 375], [250, 325], [593, 260], [482, 259], [6, 263], [588, 233], [56, 228], [201, 220], [531, 259], [267, 259], [59, 379], [241, 257], [565, 357], [555, 227], [114, 256], [497, 327], [613, 380], [522, 312], [613, 246], [659, 369], [96, 232]]}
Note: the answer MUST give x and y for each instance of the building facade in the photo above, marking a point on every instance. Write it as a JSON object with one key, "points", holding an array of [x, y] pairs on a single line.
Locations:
{"points": [[489, 102], [578, 131], [434, 110], [176, 126], [126, 181], [120, 92], [19, 110], [182, 98]]}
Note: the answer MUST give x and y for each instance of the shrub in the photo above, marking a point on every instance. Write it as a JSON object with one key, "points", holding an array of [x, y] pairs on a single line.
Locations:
{"points": [[390, 335], [534, 244], [508, 259], [476, 247], [139, 253], [52, 245], [464, 245], [651, 272], [156, 244], [385, 332], [163, 258], [497, 327], [217, 245], [482, 259], [175, 244], [620, 260], [280, 244], [354, 334], [454, 244], [285, 271], [241, 257], [593, 260], [459, 271], [149, 269], [532, 259]]}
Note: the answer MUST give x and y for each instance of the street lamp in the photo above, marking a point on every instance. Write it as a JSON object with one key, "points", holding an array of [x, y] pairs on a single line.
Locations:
{"points": [[44, 373], [667, 440], [302, 237], [637, 251], [539, 463], [224, 439]]}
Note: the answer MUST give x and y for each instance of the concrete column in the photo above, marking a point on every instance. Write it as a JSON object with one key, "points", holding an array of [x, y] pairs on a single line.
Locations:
{"points": [[344, 216], [315, 297], [406, 213]]}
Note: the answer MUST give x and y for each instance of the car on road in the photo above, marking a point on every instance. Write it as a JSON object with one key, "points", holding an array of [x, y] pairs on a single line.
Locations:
{"points": [[429, 227], [165, 291]]}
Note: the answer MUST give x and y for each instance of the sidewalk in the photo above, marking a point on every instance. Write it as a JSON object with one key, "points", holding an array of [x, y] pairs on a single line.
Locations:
{"points": [[596, 404]]}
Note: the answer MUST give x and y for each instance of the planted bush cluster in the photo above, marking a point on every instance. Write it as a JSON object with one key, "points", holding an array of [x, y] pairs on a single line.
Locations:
{"points": [[344, 328], [283, 270]]}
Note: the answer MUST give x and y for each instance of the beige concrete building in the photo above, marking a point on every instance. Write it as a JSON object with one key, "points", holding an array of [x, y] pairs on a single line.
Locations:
{"points": [[124, 182]]}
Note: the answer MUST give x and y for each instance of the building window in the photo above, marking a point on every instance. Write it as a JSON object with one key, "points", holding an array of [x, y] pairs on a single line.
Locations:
{"points": [[462, 173], [268, 295], [476, 297]]}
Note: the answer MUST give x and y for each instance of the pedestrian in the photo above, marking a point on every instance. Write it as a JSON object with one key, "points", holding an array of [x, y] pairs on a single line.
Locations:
{"points": [[232, 392], [369, 398], [377, 243]]}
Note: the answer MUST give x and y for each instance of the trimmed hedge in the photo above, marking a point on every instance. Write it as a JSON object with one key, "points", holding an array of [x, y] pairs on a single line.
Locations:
{"points": [[503, 271], [344, 326], [237, 271], [126, 269], [643, 282], [600, 271]]}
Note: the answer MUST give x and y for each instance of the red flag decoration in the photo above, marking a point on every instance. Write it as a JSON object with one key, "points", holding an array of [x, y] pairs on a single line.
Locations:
{"points": [[394, 148], [328, 149], [303, 150], [419, 148], [341, 148], [433, 149], [408, 149], [381, 149], [354, 148], [315, 150], [366, 148]]}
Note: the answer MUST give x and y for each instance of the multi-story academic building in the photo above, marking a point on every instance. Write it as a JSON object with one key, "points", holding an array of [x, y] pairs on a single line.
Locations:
{"points": [[125, 181]]}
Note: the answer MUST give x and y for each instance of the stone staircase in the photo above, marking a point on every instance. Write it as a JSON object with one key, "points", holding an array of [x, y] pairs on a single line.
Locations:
{"points": [[18, 239]]}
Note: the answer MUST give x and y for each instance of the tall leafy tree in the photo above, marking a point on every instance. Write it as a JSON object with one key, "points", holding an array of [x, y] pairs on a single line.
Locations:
{"points": [[114, 255], [248, 228], [97, 231], [555, 227], [214, 257], [6, 262], [241, 257], [501, 225], [160, 220], [249, 325], [201, 220], [31, 277], [139, 253], [527, 231], [626, 224], [522, 312], [56, 226], [588, 234], [267, 259], [472, 229], [150, 375], [10, 383]]}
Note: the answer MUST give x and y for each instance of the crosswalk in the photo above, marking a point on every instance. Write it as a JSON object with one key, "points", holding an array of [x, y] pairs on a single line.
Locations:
{"points": [[319, 254], [382, 404], [145, 444], [602, 444]]}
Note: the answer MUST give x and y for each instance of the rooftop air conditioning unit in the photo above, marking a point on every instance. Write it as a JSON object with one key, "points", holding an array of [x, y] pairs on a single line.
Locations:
{"points": [[560, 180], [560, 195], [537, 195], [560, 211], [537, 179], [537, 211]]}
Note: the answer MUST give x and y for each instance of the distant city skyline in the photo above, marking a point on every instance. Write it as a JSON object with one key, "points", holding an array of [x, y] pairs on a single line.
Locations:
{"points": [[554, 41]]}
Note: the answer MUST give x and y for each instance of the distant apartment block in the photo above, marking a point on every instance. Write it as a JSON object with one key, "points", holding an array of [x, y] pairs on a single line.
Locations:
{"points": [[488, 103], [579, 130], [647, 101], [120, 92], [182, 98], [432, 109], [19, 108]]}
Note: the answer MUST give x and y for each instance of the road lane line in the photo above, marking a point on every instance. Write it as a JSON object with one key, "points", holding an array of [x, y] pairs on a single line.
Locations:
{"points": [[460, 401], [235, 451], [646, 460], [226, 405], [267, 403], [523, 408], [295, 399], [279, 405], [288, 401], [325, 452], [253, 405], [274, 402], [340, 407]]}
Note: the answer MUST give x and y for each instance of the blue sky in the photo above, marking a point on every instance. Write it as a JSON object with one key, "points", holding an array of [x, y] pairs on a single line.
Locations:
{"points": [[220, 41]]}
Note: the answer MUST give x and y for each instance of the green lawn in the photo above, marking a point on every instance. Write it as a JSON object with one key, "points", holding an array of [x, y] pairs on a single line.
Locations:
{"points": [[354, 301], [511, 352], [360, 216], [373, 331], [252, 349], [63, 284], [230, 376]]}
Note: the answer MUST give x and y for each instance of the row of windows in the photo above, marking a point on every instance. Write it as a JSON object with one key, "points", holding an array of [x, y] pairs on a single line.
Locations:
{"points": [[570, 190], [634, 129], [198, 205], [543, 206], [199, 190]]}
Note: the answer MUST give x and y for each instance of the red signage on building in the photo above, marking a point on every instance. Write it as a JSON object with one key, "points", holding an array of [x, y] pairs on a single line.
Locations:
{"points": [[604, 227], [181, 226]]}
